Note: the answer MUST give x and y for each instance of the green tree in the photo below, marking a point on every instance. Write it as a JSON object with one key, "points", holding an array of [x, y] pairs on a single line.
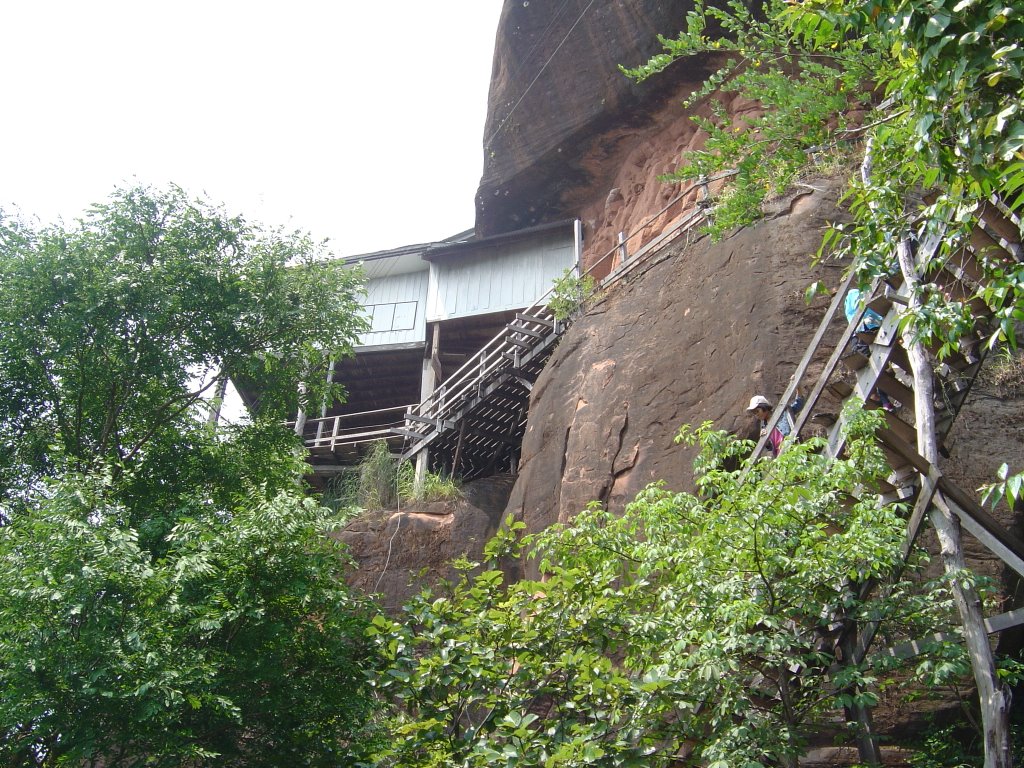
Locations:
{"points": [[691, 624], [171, 597], [114, 330], [240, 645]]}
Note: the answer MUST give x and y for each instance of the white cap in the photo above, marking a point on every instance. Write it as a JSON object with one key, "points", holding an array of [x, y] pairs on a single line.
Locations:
{"points": [[757, 401]]}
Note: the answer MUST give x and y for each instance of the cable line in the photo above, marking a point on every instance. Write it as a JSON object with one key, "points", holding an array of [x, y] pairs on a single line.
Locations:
{"points": [[487, 144]]}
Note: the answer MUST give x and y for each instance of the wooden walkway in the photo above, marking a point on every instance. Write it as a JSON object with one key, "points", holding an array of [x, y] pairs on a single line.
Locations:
{"points": [[473, 423]]}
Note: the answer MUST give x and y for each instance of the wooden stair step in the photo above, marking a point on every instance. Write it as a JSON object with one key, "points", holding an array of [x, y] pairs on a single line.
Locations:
{"points": [[898, 356], [987, 247], [535, 320], [854, 361], [904, 451], [899, 426], [896, 461], [996, 221], [868, 337], [840, 388], [965, 267], [880, 304], [523, 329], [896, 389]]}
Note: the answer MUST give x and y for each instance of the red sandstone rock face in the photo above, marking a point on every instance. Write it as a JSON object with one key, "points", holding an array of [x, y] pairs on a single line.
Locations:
{"points": [[397, 553], [688, 340]]}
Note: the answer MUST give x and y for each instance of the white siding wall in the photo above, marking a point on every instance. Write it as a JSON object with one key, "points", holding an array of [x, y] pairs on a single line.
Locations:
{"points": [[395, 306], [498, 278]]}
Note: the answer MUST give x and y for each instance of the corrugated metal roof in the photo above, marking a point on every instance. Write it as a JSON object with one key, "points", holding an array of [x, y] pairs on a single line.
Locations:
{"points": [[445, 250], [405, 250]]}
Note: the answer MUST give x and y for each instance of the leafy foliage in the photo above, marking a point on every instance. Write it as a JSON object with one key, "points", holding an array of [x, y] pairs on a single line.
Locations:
{"points": [[383, 481], [682, 627], [570, 294], [114, 329], [935, 86], [804, 93], [240, 643], [170, 597], [944, 133]]}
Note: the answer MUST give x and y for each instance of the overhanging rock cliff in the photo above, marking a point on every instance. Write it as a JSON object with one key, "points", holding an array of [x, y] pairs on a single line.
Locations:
{"points": [[561, 117]]}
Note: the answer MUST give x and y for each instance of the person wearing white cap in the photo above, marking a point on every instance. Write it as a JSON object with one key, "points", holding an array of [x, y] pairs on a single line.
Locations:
{"points": [[762, 407]]}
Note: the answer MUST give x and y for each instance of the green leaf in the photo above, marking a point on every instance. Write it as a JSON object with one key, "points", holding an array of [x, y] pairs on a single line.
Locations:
{"points": [[937, 24]]}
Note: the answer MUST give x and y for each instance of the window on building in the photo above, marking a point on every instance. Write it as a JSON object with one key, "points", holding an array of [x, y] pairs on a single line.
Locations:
{"points": [[399, 316]]}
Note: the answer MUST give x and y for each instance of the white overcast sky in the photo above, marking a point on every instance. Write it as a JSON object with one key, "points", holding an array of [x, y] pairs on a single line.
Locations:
{"points": [[357, 121]]}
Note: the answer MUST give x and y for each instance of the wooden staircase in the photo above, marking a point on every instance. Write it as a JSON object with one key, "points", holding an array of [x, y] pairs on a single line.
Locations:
{"points": [[473, 424], [995, 240], [478, 415]]}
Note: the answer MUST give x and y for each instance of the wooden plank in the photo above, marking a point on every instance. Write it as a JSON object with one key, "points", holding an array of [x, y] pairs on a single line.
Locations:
{"points": [[903, 449], [535, 319], [930, 484], [913, 648], [854, 361], [895, 388], [987, 247], [898, 356], [522, 329], [805, 361], [522, 380], [994, 219], [432, 422], [840, 389], [410, 433], [900, 427], [969, 510], [881, 304], [965, 267]]}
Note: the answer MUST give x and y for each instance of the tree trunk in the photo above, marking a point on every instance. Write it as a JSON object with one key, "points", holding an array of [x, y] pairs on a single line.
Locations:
{"points": [[993, 697]]}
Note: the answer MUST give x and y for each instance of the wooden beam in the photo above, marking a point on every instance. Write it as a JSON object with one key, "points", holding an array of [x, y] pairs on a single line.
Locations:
{"points": [[528, 331], [982, 525], [913, 648], [409, 433], [439, 423], [533, 319]]}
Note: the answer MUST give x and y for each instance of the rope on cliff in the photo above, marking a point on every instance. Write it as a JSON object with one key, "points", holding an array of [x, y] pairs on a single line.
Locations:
{"points": [[540, 38], [487, 144], [398, 524]]}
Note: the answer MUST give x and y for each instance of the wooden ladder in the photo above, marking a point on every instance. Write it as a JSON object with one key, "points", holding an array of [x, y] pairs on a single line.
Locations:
{"points": [[995, 239]]}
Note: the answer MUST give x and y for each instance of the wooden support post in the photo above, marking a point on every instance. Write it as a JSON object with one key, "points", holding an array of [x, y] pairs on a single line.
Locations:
{"points": [[324, 405], [300, 414], [458, 449], [428, 385], [420, 477], [867, 743], [993, 694], [431, 365], [217, 403], [577, 245]]}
